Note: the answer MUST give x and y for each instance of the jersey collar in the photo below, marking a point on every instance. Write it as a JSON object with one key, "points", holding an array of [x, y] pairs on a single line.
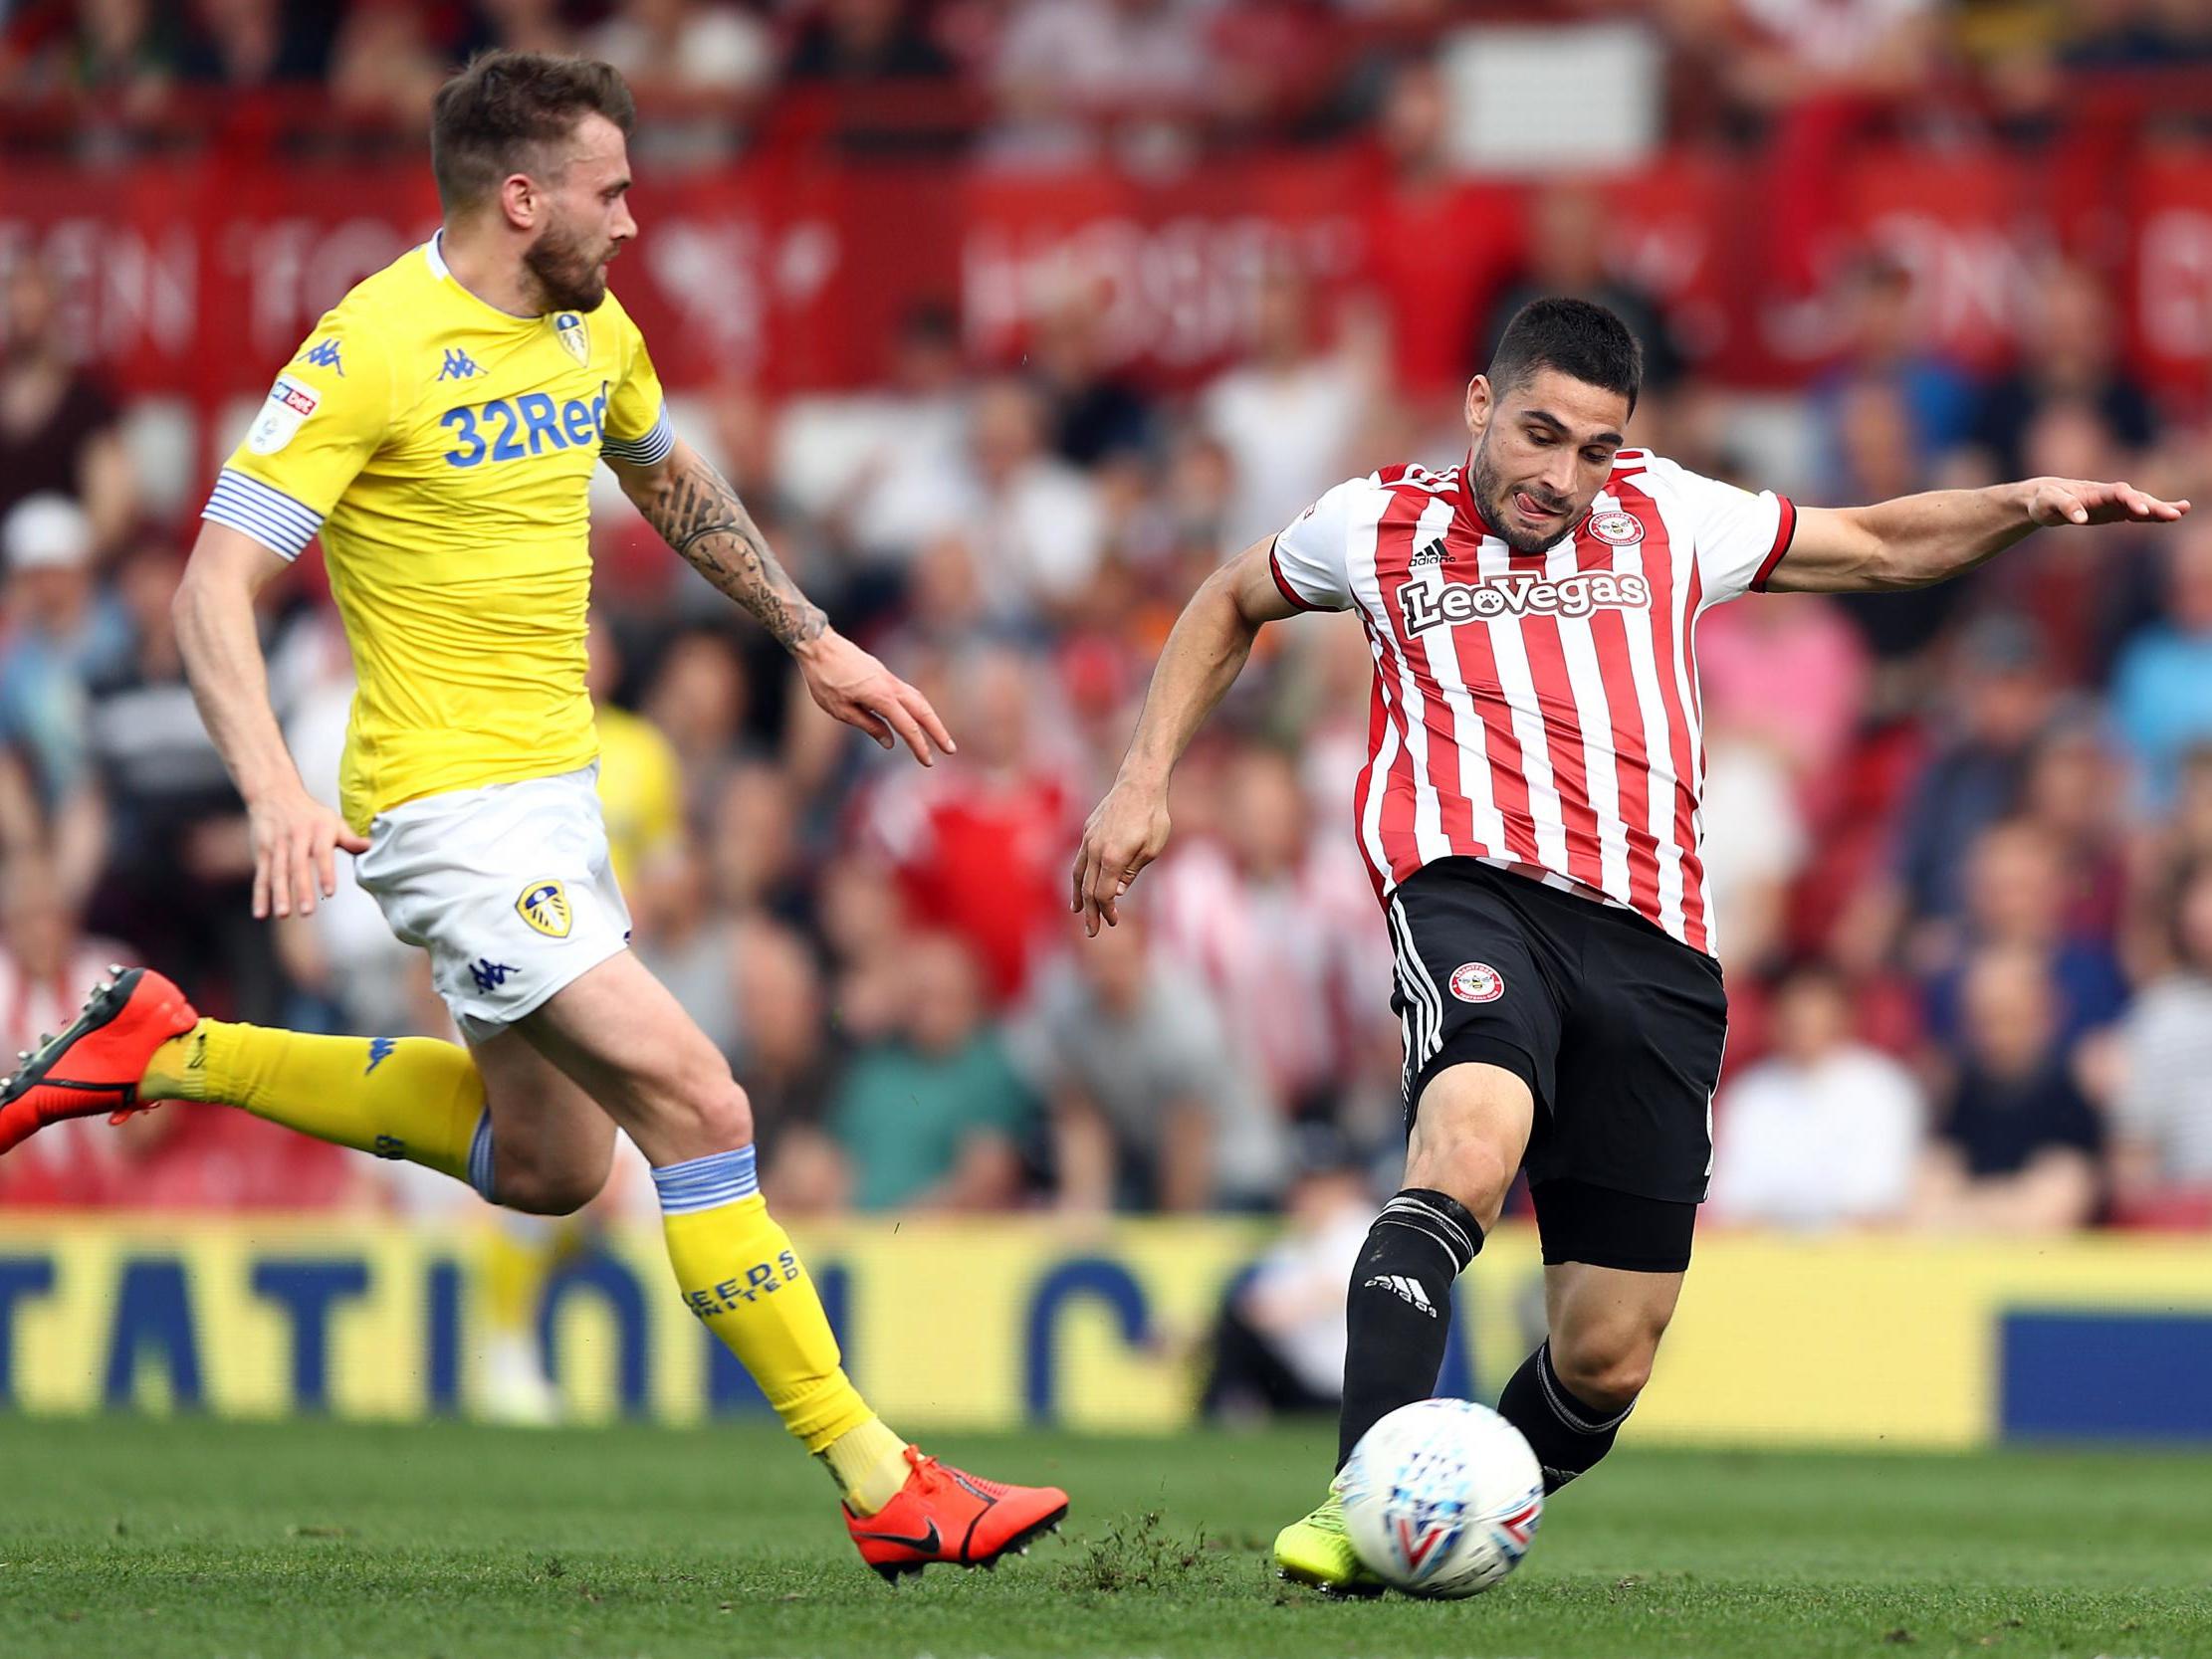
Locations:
{"points": [[433, 254]]}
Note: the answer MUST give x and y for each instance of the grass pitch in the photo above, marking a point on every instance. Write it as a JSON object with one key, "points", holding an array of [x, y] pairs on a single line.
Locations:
{"points": [[193, 1538]]}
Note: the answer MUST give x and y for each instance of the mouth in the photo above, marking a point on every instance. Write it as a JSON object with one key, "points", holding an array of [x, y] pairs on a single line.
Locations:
{"points": [[1533, 511]]}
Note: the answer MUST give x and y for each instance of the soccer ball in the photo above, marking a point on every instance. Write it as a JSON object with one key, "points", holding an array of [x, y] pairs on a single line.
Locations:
{"points": [[1442, 1498]]}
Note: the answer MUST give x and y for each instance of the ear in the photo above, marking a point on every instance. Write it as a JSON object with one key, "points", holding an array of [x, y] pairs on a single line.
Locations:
{"points": [[520, 202], [1482, 403]]}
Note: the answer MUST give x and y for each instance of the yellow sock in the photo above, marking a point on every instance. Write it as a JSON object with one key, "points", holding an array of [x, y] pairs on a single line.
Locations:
{"points": [[741, 1276], [516, 1260], [406, 1096], [868, 1461]]}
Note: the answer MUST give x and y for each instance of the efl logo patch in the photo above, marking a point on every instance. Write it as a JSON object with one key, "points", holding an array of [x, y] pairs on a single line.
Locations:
{"points": [[1478, 983], [568, 328], [1621, 529], [290, 403], [544, 905]]}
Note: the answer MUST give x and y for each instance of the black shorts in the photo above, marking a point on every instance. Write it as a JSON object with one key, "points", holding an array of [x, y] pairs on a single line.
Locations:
{"points": [[1616, 1028]]}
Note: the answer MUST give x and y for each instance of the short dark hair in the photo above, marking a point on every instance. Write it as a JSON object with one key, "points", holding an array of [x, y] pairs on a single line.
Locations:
{"points": [[1574, 336], [488, 121]]}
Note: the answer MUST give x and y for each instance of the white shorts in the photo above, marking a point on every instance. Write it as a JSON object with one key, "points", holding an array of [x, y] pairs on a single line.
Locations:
{"points": [[509, 888]]}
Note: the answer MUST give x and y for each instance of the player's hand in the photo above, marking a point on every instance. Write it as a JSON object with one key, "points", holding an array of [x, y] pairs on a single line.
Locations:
{"points": [[2077, 500], [294, 842], [851, 684], [1126, 831]]}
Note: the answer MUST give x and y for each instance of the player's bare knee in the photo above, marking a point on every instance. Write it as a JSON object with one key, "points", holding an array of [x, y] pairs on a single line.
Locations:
{"points": [[558, 1191], [1468, 1167], [722, 1118], [1606, 1368]]}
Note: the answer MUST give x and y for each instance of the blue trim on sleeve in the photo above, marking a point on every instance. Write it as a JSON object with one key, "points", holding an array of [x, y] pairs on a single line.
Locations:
{"points": [[272, 517], [653, 448]]}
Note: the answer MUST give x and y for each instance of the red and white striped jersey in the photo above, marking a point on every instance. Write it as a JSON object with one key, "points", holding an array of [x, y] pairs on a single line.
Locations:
{"points": [[1538, 710]]}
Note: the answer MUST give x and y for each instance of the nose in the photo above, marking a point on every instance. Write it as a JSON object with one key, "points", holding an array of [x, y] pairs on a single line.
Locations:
{"points": [[626, 222], [1559, 478]]}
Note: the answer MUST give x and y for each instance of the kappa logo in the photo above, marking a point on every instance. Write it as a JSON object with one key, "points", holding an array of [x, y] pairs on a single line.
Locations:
{"points": [[1404, 1288], [544, 905], [488, 974], [1619, 529], [1478, 983], [458, 366], [379, 1051], [1426, 604], [323, 354]]}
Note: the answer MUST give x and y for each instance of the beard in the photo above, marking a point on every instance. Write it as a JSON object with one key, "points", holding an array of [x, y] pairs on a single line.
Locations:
{"points": [[568, 279], [1492, 496]]}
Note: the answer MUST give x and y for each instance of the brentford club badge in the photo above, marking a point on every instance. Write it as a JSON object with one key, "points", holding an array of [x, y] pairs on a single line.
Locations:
{"points": [[1478, 983], [1621, 529]]}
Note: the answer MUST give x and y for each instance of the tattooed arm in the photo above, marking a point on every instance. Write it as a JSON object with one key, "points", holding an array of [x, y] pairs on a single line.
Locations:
{"points": [[700, 516]]}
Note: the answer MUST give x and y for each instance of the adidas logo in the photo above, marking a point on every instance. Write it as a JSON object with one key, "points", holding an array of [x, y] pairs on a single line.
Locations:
{"points": [[1434, 553], [1399, 1285]]}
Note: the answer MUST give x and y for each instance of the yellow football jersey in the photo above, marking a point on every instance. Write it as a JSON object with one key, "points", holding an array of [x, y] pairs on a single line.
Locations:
{"points": [[443, 449], [641, 791]]}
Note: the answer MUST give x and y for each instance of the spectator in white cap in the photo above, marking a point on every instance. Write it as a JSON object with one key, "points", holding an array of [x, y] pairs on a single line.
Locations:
{"points": [[59, 629]]}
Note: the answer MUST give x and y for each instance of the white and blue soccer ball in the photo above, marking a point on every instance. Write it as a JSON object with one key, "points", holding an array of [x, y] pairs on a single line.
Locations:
{"points": [[1442, 1498]]}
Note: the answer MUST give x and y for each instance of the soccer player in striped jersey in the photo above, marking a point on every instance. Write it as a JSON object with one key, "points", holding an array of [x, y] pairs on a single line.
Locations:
{"points": [[1530, 814], [439, 430]]}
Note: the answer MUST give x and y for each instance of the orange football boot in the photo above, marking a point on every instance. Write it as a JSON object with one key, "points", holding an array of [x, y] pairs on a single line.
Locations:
{"points": [[95, 1066], [944, 1515]]}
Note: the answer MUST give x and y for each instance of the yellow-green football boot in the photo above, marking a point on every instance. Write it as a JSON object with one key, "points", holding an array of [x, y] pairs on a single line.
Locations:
{"points": [[1318, 1551]]}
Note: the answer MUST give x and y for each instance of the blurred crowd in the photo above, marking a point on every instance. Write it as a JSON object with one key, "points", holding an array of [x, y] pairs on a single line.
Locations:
{"points": [[1960, 841], [1045, 82]]}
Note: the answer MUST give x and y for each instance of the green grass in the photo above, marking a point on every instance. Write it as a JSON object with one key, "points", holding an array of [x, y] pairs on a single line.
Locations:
{"points": [[130, 1537]]}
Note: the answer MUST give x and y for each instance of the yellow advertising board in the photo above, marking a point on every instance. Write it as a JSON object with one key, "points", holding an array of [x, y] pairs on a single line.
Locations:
{"points": [[1908, 1342]]}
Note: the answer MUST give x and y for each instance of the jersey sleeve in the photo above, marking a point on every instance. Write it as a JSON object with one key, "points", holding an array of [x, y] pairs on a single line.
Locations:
{"points": [[327, 414], [637, 429], [1739, 536], [1309, 557]]}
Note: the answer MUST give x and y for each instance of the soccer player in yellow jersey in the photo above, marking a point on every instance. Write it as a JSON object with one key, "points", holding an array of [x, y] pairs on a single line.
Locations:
{"points": [[438, 430]]}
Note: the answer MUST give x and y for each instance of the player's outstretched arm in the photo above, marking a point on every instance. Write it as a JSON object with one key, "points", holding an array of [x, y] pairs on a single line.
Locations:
{"points": [[700, 516], [1917, 541], [1201, 661], [293, 834]]}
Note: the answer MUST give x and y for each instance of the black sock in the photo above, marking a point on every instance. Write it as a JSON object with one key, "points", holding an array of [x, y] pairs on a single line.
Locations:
{"points": [[1399, 1308], [1567, 1434]]}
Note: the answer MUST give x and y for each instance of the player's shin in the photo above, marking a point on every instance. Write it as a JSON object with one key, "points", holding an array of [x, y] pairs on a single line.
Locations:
{"points": [[1399, 1311], [1567, 1433], [741, 1276], [412, 1097]]}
